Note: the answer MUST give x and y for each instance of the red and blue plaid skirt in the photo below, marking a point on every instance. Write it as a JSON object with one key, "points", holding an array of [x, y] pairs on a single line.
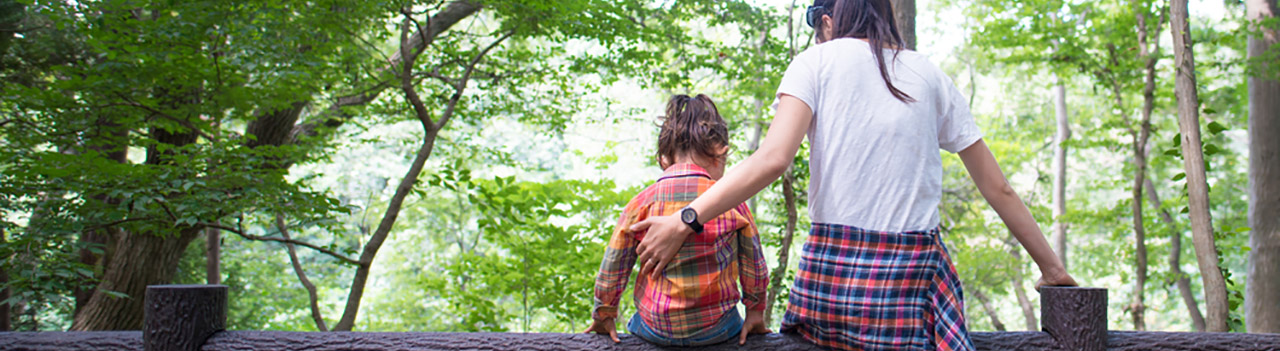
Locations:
{"points": [[866, 290]]}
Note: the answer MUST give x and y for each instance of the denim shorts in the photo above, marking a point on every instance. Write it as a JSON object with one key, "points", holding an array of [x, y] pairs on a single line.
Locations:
{"points": [[729, 327]]}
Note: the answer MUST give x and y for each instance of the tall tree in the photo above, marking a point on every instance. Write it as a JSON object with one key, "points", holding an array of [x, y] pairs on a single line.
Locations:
{"points": [[1149, 55], [144, 256], [4, 292], [1024, 302], [432, 122], [777, 276], [1177, 277], [1059, 238], [788, 234], [1215, 287], [987, 307], [213, 256], [904, 13], [1262, 291]]}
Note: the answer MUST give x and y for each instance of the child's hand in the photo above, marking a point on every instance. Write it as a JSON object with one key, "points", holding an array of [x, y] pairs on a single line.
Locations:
{"points": [[753, 324], [604, 327]]}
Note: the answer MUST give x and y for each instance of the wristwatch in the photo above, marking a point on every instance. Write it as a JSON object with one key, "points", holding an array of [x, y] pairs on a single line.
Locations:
{"points": [[690, 217]]}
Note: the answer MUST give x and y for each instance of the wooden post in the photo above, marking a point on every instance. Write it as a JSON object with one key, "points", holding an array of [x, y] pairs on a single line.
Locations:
{"points": [[182, 317], [1075, 317]]}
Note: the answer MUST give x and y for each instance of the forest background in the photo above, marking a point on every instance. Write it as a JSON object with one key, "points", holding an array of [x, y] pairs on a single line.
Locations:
{"points": [[458, 165]]}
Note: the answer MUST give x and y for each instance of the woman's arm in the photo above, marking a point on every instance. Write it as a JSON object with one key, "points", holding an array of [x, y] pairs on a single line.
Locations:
{"points": [[995, 188], [667, 233]]}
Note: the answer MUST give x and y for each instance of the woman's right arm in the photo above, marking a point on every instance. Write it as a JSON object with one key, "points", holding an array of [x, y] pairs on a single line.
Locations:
{"points": [[993, 185], [667, 233]]}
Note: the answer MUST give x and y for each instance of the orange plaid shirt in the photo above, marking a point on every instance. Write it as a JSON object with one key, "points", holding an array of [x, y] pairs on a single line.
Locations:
{"points": [[701, 284]]}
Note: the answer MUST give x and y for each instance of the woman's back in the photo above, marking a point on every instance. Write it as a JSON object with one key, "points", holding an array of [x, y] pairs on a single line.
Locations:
{"points": [[875, 160]]}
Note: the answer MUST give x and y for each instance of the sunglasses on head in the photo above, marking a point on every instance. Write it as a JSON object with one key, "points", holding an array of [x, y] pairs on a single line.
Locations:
{"points": [[814, 14]]}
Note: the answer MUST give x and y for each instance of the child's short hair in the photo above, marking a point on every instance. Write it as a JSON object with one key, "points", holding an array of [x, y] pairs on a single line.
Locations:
{"points": [[691, 125]]}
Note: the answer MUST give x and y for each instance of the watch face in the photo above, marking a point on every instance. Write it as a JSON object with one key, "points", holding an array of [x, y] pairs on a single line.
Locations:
{"points": [[688, 215]]}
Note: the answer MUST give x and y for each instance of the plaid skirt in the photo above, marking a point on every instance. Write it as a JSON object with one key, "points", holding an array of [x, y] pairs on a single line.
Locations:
{"points": [[865, 290]]}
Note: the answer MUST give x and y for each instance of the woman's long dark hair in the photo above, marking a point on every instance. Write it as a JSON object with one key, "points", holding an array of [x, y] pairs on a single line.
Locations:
{"points": [[871, 20]]}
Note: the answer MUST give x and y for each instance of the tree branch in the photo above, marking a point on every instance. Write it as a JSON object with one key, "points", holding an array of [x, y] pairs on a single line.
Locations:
{"points": [[466, 76], [302, 275], [185, 123], [406, 78], [438, 23], [446, 18], [248, 236]]}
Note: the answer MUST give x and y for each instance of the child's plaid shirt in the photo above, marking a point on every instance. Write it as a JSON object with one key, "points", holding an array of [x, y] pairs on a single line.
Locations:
{"points": [[700, 284]]}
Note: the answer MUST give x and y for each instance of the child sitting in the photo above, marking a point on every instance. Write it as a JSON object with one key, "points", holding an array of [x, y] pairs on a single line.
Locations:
{"points": [[694, 301]]}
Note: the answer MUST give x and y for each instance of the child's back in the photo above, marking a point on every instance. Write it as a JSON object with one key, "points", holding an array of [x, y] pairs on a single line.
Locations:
{"points": [[693, 302]]}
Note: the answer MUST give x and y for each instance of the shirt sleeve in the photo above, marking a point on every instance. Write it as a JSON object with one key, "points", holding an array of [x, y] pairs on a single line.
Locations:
{"points": [[615, 268], [800, 81], [956, 128], [753, 271]]}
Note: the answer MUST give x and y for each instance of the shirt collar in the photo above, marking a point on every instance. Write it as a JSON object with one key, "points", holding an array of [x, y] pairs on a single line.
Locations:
{"points": [[684, 170]]}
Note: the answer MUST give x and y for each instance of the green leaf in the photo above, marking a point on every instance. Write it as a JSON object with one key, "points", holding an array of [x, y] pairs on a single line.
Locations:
{"points": [[1179, 176], [1177, 140], [1211, 149], [1216, 128]]}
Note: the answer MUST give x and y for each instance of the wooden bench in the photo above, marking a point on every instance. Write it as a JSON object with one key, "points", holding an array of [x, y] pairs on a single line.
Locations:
{"points": [[193, 317]]}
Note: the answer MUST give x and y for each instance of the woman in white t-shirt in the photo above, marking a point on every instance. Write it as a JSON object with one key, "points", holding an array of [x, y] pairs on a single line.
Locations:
{"points": [[874, 274]]}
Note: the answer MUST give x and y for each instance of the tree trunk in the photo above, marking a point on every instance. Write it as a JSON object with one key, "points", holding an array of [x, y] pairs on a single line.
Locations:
{"points": [[1262, 290], [775, 279], [986, 307], [138, 260], [1028, 309], [1060, 172], [380, 235], [302, 275], [1138, 306], [788, 189], [113, 146], [1140, 139], [4, 292], [904, 13], [274, 127], [132, 261], [758, 104], [1215, 288], [1180, 279], [212, 256], [90, 239]]}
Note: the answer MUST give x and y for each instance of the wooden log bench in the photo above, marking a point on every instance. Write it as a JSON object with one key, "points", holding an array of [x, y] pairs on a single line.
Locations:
{"points": [[193, 317]]}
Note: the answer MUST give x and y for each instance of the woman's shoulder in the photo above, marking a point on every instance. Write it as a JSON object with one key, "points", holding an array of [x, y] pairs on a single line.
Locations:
{"points": [[920, 64]]}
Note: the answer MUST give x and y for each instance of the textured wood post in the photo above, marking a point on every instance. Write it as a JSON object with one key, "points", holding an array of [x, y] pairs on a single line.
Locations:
{"points": [[1075, 317], [182, 317]]}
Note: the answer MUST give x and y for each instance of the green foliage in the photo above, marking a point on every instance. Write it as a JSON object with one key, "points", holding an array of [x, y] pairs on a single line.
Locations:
{"points": [[132, 117], [535, 253]]}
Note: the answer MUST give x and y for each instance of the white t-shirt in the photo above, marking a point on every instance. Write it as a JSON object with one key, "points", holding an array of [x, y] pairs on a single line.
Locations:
{"points": [[874, 160]]}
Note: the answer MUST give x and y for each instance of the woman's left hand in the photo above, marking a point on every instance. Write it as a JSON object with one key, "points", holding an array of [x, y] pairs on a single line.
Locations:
{"points": [[660, 244]]}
